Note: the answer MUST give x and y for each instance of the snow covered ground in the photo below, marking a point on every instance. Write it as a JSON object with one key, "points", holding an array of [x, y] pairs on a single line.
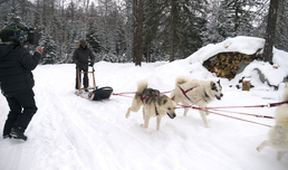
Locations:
{"points": [[72, 133]]}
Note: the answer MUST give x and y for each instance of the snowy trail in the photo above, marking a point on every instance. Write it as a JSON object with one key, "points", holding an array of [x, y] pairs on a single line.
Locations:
{"points": [[72, 133]]}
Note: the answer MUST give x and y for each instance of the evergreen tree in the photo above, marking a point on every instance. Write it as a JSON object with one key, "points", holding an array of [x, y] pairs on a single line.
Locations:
{"points": [[172, 29], [281, 39], [212, 33], [50, 55], [183, 22], [152, 44], [236, 17]]}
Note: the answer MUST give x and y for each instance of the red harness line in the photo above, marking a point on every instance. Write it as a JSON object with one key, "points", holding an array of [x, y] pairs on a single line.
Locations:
{"points": [[128, 94], [237, 118], [251, 106], [124, 94], [242, 113], [220, 108], [229, 116]]}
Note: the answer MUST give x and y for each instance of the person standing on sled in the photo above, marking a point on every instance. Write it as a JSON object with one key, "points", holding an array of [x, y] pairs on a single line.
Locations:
{"points": [[83, 57], [16, 81]]}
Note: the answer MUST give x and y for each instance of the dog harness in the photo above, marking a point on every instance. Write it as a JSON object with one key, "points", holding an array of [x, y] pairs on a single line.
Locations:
{"points": [[145, 97], [156, 111], [186, 91]]}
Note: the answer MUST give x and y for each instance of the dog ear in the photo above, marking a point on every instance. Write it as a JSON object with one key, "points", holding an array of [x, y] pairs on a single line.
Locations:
{"points": [[163, 100]]}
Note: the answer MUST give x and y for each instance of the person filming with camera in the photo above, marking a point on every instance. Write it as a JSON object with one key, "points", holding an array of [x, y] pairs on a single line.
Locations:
{"points": [[16, 80]]}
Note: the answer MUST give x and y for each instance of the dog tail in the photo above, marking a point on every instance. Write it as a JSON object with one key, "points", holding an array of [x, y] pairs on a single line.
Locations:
{"points": [[142, 85], [181, 80]]}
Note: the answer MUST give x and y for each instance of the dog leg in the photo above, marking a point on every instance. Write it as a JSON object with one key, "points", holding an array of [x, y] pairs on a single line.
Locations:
{"points": [[204, 118], [143, 110], [262, 145], [158, 122], [280, 155], [146, 121], [131, 109], [186, 111], [134, 108], [207, 113], [128, 113]]}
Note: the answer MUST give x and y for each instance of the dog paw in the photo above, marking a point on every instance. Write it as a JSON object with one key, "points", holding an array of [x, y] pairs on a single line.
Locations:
{"points": [[206, 125], [143, 126]]}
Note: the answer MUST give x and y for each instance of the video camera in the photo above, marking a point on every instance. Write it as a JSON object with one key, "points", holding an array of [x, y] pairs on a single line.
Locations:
{"points": [[18, 33]]}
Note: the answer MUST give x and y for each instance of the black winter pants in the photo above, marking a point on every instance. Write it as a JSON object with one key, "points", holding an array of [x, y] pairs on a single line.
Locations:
{"points": [[85, 78], [22, 108]]}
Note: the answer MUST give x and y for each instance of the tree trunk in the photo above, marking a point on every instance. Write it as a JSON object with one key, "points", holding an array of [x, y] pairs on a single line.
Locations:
{"points": [[173, 30], [137, 31], [270, 31]]}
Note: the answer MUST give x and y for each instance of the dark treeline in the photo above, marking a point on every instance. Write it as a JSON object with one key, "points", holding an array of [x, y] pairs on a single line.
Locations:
{"points": [[142, 30]]}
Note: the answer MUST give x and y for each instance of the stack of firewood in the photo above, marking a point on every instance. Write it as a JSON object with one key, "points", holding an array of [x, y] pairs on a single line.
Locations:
{"points": [[228, 64]]}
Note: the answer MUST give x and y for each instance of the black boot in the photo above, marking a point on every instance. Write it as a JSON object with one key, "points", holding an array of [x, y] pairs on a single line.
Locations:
{"points": [[6, 136], [18, 133]]}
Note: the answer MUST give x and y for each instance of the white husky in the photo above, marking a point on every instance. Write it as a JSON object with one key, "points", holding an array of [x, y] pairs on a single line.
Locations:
{"points": [[197, 92], [278, 134]]}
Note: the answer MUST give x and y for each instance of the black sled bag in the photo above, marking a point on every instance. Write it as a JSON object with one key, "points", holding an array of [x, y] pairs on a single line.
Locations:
{"points": [[100, 93]]}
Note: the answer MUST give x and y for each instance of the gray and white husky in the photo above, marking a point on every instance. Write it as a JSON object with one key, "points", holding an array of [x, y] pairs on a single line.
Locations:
{"points": [[278, 134], [196, 92], [154, 104]]}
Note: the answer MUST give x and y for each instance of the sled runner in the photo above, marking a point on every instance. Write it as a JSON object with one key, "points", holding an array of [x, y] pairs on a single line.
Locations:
{"points": [[93, 92]]}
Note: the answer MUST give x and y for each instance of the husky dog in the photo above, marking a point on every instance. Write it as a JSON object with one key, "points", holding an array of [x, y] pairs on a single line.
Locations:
{"points": [[196, 92], [154, 104], [278, 134]]}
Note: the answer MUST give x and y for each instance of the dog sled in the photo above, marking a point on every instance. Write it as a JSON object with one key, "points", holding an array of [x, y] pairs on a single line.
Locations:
{"points": [[93, 92]]}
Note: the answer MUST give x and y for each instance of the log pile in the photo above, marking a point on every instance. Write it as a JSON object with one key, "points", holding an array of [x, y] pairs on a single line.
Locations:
{"points": [[228, 64]]}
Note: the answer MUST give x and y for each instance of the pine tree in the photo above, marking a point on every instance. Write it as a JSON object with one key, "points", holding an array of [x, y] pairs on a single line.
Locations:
{"points": [[150, 29], [50, 55], [183, 22], [281, 39], [236, 17]]}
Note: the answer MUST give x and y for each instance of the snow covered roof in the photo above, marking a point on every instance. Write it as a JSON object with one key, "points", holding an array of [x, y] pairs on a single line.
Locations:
{"points": [[241, 44]]}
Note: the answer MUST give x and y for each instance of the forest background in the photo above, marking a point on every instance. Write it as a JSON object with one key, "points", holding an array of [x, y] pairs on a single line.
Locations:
{"points": [[169, 29]]}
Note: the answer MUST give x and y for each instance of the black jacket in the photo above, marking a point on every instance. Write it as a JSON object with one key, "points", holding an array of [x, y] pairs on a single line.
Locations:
{"points": [[82, 56], [16, 64]]}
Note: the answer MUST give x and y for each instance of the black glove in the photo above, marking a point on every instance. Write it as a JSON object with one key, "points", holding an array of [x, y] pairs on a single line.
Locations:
{"points": [[91, 64]]}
